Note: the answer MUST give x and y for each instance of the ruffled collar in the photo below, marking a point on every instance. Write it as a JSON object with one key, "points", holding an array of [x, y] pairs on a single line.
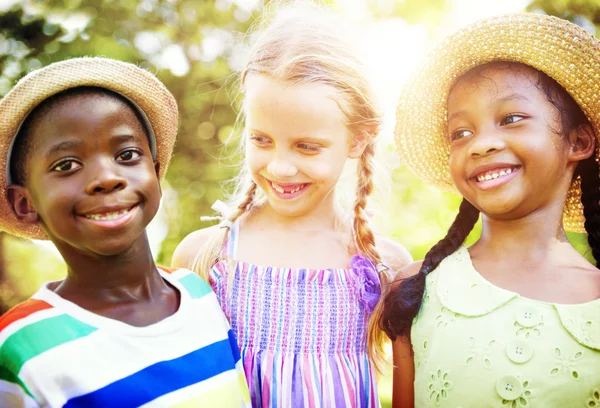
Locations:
{"points": [[463, 290]]}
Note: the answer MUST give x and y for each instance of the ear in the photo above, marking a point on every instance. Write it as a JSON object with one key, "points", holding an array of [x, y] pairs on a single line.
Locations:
{"points": [[22, 206], [157, 167], [157, 171], [358, 143], [583, 143]]}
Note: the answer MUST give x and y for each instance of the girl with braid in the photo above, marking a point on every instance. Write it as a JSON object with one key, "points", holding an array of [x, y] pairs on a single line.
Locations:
{"points": [[297, 276], [506, 111]]}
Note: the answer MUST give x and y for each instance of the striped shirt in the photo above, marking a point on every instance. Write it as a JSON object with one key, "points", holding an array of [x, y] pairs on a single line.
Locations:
{"points": [[55, 354]]}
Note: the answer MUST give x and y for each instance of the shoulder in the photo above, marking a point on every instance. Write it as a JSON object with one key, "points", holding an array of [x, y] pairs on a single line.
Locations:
{"points": [[392, 253], [186, 251], [410, 270]]}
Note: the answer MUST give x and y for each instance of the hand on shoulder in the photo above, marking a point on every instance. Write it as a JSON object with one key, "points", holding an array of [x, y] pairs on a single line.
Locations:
{"points": [[392, 254], [192, 244]]}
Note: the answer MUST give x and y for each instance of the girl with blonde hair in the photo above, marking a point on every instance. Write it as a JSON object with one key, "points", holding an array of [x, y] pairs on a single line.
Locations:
{"points": [[297, 276]]}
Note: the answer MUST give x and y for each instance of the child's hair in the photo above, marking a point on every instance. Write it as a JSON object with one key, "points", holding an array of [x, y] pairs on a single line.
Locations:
{"points": [[303, 44], [24, 142], [403, 301]]}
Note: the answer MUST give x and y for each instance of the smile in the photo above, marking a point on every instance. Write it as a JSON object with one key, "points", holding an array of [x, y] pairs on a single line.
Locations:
{"points": [[495, 173], [111, 219], [288, 190], [108, 216], [495, 177]]}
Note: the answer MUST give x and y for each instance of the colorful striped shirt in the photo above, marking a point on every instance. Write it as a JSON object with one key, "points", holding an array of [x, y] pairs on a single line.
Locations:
{"points": [[53, 353]]}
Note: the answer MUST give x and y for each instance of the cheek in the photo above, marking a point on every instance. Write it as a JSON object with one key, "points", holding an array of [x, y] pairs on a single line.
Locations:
{"points": [[456, 164], [256, 159], [324, 169]]}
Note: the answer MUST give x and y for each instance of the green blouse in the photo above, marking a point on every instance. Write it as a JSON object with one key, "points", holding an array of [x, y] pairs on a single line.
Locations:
{"points": [[477, 345]]}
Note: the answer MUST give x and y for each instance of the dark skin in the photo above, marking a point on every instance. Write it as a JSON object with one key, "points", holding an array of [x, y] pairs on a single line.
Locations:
{"points": [[510, 122], [92, 185]]}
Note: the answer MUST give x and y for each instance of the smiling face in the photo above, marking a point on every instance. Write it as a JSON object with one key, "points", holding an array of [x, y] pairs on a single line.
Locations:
{"points": [[90, 180], [297, 143], [506, 155]]}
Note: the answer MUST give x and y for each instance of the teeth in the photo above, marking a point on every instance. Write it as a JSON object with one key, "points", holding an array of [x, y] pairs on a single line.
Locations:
{"points": [[280, 189], [493, 174], [108, 216]]}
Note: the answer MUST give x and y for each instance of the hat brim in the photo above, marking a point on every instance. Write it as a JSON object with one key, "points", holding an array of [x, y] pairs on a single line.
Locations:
{"points": [[139, 86], [560, 49]]}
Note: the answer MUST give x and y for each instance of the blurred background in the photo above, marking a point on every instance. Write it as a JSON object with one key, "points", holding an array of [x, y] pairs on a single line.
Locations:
{"points": [[197, 48]]}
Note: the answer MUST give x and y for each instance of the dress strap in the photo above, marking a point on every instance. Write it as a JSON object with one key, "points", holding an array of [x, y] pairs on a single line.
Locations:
{"points": [[232, 240]]}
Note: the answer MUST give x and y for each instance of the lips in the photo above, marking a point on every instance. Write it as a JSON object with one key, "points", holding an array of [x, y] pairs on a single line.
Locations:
{"points": [[288, 191], [287, 188], [110, 213], [493, 175]]}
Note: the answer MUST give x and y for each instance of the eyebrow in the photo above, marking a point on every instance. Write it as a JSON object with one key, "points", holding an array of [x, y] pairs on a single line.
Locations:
{"points": [[511, 97], [311, 138], [62, 146], [73, 144]]}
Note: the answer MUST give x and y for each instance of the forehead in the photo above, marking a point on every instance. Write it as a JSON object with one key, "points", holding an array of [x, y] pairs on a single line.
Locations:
{"points": [[282, 108], [76, 114], [496, 80]]}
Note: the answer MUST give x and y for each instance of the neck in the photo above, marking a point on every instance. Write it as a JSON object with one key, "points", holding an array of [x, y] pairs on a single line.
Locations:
{"points": [[527, 238], [130, 275], [325, 215]]}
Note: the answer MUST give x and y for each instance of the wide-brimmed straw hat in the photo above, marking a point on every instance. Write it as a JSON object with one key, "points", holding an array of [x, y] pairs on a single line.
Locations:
{"points": [[562, 50], [155, 103]]}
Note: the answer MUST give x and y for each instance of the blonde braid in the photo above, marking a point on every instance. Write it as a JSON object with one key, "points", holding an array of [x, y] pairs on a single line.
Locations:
{"points": [[365, 239], [210, 254]]}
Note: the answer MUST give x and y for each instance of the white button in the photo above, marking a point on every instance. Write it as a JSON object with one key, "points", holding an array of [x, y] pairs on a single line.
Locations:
{"points": [[509, 387], [519, 351], [528, 316]]}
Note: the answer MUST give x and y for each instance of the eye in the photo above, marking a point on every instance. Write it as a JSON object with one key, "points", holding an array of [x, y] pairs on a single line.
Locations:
{"points": [[66, 165], [259, 140], [511, 118], [459, 134], [311, 148], [128, 155]]}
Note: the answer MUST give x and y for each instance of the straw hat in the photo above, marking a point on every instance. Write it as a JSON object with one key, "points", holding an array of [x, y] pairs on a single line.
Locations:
{"points": [[155, 103], [560, 49]]}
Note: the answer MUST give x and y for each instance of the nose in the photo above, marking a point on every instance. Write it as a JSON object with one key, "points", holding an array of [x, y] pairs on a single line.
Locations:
{"points": [[486, 142], [105, 177], [281, 166]]}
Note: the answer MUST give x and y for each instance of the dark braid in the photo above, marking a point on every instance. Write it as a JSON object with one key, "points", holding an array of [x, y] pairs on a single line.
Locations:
{"points": [[403, 301], [590, 198]]}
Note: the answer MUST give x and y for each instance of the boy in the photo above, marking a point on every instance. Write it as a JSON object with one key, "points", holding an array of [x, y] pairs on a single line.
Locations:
{"points": [[85, 143]]}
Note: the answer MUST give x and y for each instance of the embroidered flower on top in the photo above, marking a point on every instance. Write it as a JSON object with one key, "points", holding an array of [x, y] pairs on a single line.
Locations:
{"points": [[367, 281]]}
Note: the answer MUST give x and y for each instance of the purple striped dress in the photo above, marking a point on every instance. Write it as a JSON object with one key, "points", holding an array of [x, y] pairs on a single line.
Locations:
{"points": [[301, 332]]}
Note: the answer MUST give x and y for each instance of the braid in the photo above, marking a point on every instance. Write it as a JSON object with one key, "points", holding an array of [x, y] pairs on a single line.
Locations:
{"points": [[590, 196], [365, 238], [246, 204], [403, 301], [209, 255]]}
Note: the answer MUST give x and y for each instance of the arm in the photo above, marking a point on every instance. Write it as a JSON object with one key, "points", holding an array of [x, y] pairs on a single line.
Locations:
{"points": [[404, 373], [392, 254], [403, 357], [188, 249]]}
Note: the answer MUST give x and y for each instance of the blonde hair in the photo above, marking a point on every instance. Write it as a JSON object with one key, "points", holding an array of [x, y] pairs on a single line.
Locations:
{"points": [[306, 43]]}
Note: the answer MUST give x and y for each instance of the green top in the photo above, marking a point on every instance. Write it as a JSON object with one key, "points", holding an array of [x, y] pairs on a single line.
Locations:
{"points": [[477, 345]]}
